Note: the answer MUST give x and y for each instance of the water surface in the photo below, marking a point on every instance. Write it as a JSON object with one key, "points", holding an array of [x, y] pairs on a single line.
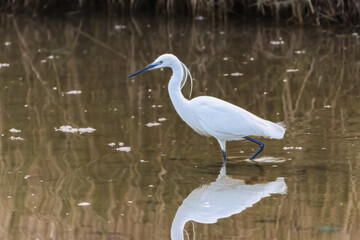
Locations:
{"points": [[87, 153]]}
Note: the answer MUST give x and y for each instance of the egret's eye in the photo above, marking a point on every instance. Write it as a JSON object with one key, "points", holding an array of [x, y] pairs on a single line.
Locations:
{"points": [[161, 62]]}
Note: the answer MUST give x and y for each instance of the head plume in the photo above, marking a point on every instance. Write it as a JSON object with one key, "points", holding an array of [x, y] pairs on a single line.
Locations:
{"points": [[186, 74]]}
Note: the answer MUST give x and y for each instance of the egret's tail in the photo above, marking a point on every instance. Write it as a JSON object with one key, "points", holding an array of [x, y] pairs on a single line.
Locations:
{"points": [[275, 130]]}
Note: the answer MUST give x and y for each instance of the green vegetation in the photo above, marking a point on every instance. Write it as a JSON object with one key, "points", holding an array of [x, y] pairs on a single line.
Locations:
{"points": [[297, 11]]}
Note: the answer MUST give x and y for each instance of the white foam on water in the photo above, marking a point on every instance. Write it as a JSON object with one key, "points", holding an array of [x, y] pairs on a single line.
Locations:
{"points": [[123, 149], [154, 124], [73, 92], [70, 129], [14, 130], [84, 204]]}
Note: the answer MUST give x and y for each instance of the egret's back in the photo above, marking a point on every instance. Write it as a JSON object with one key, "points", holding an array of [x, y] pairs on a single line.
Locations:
{"points": [[226, 121]]}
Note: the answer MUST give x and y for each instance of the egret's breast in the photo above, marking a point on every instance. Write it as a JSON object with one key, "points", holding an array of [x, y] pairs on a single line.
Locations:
{"points": [[194, 124], [193, 121]]}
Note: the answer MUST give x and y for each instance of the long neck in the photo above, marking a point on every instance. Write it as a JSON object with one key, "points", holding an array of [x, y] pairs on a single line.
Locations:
{"points": [[178, 100]]}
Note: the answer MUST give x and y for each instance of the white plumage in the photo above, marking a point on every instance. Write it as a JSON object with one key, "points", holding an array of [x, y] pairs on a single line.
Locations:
{"points": [[211, 116], [226, 121], [221, 199]]}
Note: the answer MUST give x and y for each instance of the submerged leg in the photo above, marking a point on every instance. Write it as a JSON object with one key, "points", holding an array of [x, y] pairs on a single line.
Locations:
{"points": [[222, 145], [224, 155], [261, 146]]}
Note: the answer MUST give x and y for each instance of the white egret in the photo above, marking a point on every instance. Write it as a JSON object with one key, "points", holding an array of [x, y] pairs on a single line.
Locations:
{"points": [[211, 116]]}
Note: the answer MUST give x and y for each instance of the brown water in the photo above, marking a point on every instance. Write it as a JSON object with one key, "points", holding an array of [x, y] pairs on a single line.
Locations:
{"points": [[127, 174]]}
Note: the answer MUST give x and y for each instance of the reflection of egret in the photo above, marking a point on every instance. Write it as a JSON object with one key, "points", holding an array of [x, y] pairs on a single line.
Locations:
{"points": [[211, 116], [221, 199]]}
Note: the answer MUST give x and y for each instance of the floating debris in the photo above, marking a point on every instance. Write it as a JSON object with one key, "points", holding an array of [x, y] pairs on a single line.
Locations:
{"points": [[327, 106], [199, 18], [123, 149], [26, 176], [154, 124], [7, 43], [12, 138], [300, 51], [84, 204], [119, 27], [280, 42], [73, 92], [14, 130], [4, 65], [161, 119], [70, 129], [296, 148], [292, 70], [236, 74], [156, 106]]}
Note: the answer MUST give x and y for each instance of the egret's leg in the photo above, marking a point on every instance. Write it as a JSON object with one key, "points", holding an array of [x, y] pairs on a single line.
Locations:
{"points": [[222, 146], [224, 155], [261, 146]]}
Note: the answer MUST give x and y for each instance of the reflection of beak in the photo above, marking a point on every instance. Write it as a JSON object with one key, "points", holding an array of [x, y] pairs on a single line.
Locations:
{"points": [[144, 69]]}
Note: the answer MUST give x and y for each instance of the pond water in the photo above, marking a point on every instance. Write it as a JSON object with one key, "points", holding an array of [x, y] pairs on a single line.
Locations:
{"points": [[87, 153]]}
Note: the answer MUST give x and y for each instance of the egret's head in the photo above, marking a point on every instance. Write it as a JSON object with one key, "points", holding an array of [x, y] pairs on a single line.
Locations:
{"points": [[165, 60]]}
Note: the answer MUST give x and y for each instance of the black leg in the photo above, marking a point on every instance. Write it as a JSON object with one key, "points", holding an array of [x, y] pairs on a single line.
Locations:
{"points": [[261, 146], [224, 155]]}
